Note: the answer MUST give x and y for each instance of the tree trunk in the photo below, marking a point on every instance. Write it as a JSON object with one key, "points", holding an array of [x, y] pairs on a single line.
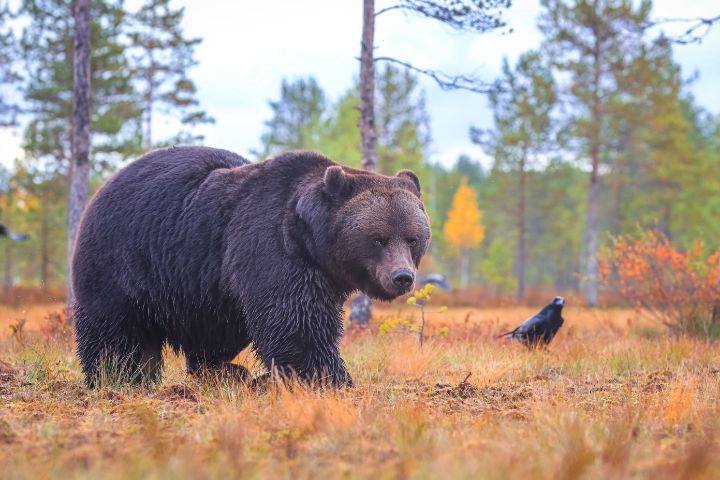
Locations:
{"points": [[368, 136], [667, 218], [464, 267], [44, 247], [80, 144], [8, 284], [592, 235], [521, 247], [591, 285], [149, 99], [715, 316]]}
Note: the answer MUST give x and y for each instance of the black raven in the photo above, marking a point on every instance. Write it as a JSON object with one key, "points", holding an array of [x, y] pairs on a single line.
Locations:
{"points": [[4, 232], [540, 329]]}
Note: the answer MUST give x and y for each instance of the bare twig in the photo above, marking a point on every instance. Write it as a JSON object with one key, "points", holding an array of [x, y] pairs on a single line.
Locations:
{"points": [[394, 7], [445, 81], [694, 34]]}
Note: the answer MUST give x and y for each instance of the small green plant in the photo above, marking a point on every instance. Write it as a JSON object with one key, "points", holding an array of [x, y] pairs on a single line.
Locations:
{"points": [[420, 300]]}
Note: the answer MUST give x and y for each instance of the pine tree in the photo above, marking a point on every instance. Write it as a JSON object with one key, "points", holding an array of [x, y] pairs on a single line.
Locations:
{"points": [[336, 135], [522, 105], [470, 15], [302, 119], [671, 166], [464, 229], [701, 206], [9, 77], [497, 266], [161, 60], [402, 121], [80, 141], [47, 47], [47, 223], [298, 111], [368, 134], [592, 42]]}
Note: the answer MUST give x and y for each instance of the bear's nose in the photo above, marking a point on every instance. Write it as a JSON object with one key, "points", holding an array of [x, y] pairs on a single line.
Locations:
{"points": [[403, 278]]}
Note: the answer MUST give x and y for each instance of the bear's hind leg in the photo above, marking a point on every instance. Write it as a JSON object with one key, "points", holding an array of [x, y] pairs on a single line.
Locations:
{"points": [[115, 351]]}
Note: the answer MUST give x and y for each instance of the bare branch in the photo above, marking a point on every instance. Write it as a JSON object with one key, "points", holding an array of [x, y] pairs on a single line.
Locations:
{"points": [[694, 34], [445, 81], [394, 7]]}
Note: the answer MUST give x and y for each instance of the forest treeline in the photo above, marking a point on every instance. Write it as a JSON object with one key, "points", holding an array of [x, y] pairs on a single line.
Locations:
{"points": [[594, 134], [139, 66]]}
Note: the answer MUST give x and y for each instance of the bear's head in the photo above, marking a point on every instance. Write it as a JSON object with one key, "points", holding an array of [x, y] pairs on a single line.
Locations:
{"points": [[370, 231]]}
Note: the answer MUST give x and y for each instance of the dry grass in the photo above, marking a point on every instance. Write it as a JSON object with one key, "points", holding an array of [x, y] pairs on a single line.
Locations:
{"points": [[612, 398]]}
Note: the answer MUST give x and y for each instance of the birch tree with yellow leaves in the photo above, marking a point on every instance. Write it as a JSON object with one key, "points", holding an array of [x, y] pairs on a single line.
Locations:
{"points": [[464, 229]]}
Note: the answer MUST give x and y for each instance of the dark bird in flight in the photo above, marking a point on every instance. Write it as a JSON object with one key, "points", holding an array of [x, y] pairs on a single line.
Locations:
{"points": [[4, 232], [540, 329], [436, 279]]}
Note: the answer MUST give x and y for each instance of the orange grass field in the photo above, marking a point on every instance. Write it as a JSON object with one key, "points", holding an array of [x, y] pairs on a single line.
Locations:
{"points": [[613, 397]]}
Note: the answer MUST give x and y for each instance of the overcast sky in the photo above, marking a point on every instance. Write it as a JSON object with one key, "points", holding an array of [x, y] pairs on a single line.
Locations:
{"points": [[249, 47]]}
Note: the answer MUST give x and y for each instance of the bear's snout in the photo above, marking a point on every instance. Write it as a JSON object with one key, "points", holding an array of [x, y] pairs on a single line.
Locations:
{"points": [[403, 279]]}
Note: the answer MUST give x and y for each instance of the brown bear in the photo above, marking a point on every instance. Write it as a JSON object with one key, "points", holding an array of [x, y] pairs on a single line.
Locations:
{"points": [[202, 250]]}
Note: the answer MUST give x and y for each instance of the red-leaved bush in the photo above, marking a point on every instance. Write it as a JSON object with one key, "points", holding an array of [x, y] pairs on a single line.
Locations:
{"points": [[679, 288]]}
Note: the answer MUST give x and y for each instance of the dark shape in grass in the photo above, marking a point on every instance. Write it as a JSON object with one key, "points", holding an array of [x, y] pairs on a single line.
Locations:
{"points": [[540, 329]]}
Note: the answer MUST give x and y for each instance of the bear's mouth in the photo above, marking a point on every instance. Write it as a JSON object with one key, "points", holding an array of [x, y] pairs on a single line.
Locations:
{"points": [[381, 294], [376, 289]]}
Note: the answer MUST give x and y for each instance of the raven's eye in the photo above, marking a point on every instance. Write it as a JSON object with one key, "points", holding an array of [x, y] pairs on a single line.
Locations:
{"points": [[412, 241], [379, 242]]}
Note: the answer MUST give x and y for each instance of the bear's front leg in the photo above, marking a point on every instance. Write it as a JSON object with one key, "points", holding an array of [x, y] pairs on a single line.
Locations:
{"points": [[298, 337]]}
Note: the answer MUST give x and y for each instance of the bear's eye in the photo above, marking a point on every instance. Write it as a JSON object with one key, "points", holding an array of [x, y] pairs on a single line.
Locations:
{"points": [[412, 241], [379, 242]]}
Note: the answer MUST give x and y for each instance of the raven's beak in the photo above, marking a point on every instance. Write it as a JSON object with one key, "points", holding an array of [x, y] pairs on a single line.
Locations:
{"points": [[559, 301]]}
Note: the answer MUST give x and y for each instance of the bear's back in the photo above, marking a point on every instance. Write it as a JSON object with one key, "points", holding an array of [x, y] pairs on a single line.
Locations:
{"points": [[140, 215]]}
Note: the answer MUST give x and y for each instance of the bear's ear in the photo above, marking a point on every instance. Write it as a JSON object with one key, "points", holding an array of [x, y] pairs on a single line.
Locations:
{"points": [[413, 178], [337, 182]]}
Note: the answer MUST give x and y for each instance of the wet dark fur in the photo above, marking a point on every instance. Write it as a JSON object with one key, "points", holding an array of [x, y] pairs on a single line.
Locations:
{"points": [[197, 248]]}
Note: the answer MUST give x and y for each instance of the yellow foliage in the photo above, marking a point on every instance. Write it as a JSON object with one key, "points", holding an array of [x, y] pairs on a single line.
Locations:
{"points": [[20, 201], [394, 324], [464, 228], [421, 297]]}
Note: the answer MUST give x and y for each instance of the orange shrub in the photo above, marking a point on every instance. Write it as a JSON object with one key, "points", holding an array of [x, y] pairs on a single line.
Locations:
{"points": [[681, 289]]}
